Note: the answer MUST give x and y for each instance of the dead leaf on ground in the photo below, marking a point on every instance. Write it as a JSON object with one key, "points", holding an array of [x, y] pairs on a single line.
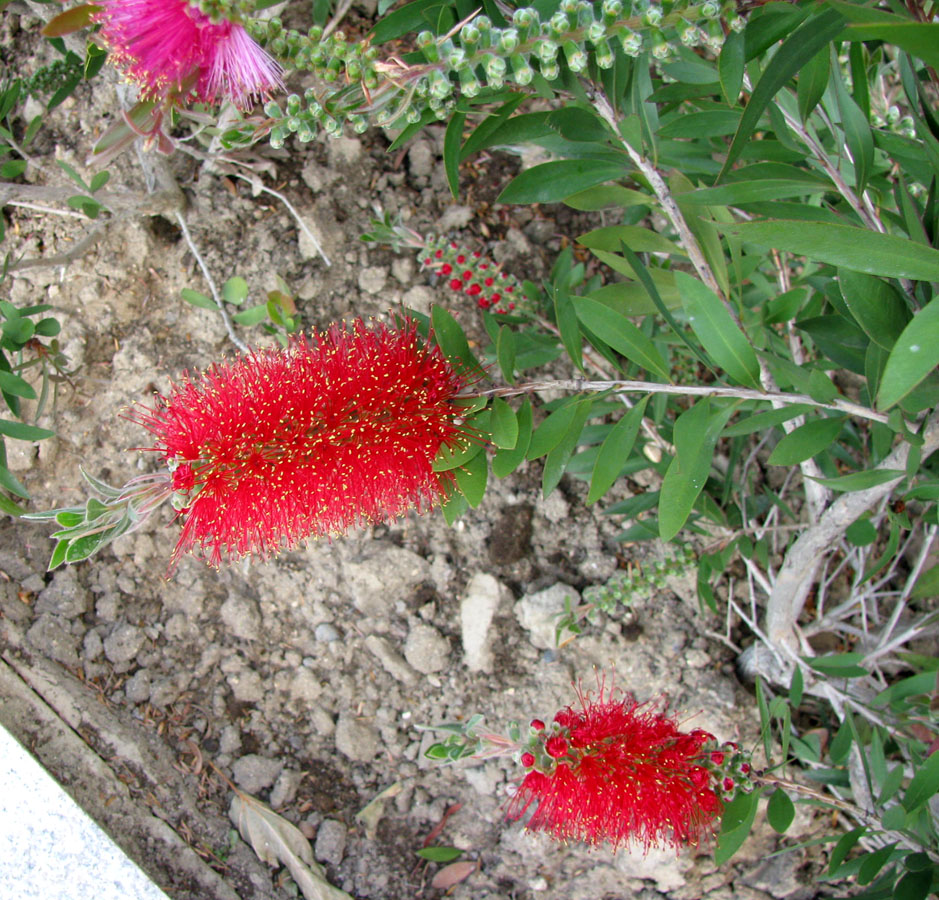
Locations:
{"points": [[371, 814], [277, 842], [453, 874]]}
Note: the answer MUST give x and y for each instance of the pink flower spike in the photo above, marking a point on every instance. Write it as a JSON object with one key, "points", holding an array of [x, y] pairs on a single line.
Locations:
{"points": [[173, 50]]}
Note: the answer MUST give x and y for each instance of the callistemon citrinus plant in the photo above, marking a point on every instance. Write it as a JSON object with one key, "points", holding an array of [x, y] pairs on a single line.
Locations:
{"points": [[338, 429], [613, 770]]}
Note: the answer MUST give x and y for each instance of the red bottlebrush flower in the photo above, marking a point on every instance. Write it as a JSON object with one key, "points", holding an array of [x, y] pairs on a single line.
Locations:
{"points": [[468, 274], [337, 430], [168, 46], [628, 775], [527, 759], [555, 747], [537, 724], [460, 259], [456, 284], [473, 290], [717, 758], [446, 269]]}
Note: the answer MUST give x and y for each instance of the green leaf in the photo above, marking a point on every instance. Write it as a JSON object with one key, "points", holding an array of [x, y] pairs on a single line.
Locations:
{"points": [[795, 52], [606, 195], [813, 79], [234, 291], [844, 846], [927, 585], [197, 299], [23, 432], [861, 533], [551, 431], [914, 356], [507, 461], [471, 479], [551, 182], [13, 384], [765, 420], [615, 450], [452, 341], [736, 823], [559, 456], [504, 425], [505, 353], [620, 334], [440, 854], [737, 193], [806, 441], [69, 21], [704, 124], [452, 142], [838, 665], [861, 481], [796, 687], [566, 318], [730, 66], [843, 245], [409, 17], [58, 554], [253, 315], [695, 436], [13, 168], [873, 862], [924, 784], [914, 885], [857, 132], [725, 343], [875, 305], [780, 811], [641, 240]]}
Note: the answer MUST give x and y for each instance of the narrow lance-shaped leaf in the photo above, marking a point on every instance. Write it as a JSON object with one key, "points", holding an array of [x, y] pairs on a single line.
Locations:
{"points": [[914, 355]]}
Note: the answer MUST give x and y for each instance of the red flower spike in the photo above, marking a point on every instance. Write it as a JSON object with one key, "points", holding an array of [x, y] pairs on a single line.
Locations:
{"points": [[467, 275], [629, 775], [456, 284], [495, 298], [460, 259], [488, 282], [339, 429], [473, 290], [483, 303], [169, 46], [446, 269]]}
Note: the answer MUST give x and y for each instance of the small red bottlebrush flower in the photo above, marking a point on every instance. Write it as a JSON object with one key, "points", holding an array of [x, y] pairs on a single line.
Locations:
{"points": [[456, 284], [446, 269], [717, 758], [339, 429], [527, 759], [537, 724], [626, 774], [168, 46]]}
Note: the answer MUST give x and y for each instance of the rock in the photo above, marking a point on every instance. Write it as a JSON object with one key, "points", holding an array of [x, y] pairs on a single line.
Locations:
{"points": [[50, 635], [304, 686], [246, 685], [402, 269], [421, 159], [326, 633], [286, 787], [330, 842], [253, 773], [538, 614], [664, 867], [242, 617], [394, 664], [477, 608], [122, 644], [419, 298], [92, 646], [372, 279], [426, 649], [455, 217], [381, 575], [355, 739], [64, 596], [137, 689], [343, 151]]}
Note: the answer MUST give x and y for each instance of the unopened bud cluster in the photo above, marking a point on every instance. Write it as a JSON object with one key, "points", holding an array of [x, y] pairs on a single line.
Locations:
{"points": [[625, 587], [358, 87], [472, 274], [730, 768]]}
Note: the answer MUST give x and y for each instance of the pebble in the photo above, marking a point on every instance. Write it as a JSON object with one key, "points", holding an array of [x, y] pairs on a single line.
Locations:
{"points": [[330, 842], [538, 614], [246, 686], [426, 649], [51, 636], [477, 609], [393, 663], [137, 689], [285, 788], [372, 279], [326, 633], [421, 158], [253, 773], [242, 618], [64, 596], [92, 646], [355, 739], [122, 644]]}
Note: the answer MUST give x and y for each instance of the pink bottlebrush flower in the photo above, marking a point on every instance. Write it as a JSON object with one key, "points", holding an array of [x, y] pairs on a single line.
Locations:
{"points": [[337, 430], [171, 48], [618, 771]]}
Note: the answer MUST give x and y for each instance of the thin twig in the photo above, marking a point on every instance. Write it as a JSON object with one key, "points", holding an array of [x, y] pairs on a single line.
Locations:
{"points": [[237, 341], [35, 207], [684, 390], [338, 16]]}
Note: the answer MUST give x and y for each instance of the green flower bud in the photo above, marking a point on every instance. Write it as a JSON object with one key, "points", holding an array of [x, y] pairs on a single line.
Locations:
{"points": [[495, 71], [293, 104], [521, 71], [272, 110], [469, 83], [469, 34], [604, 54], [652, 16], [508, 40], [710, 9], [576, 58], [440, 86], [631, 41], [546, 50], [550, 70], [428, 46], [612, 10]]}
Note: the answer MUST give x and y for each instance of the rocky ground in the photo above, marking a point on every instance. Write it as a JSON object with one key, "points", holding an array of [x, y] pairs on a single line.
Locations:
{"points": [[302, 680]]}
